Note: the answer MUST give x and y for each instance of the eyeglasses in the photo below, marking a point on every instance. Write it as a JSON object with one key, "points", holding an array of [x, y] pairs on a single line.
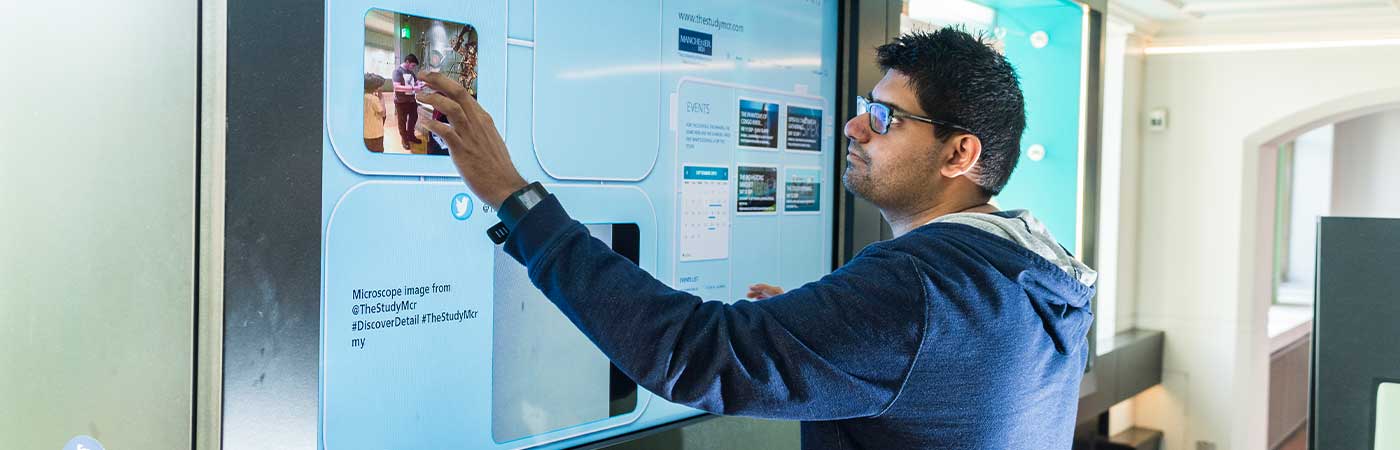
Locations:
{"points": [[881, 115]]}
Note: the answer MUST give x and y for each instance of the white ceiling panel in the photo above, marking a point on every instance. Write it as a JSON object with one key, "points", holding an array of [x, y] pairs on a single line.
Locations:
{"points": [[1209, 22]]}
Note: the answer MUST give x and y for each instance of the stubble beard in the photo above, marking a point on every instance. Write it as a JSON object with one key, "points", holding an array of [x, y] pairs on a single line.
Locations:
{"points": [[860, 181], [857, 183], [857, 180]]}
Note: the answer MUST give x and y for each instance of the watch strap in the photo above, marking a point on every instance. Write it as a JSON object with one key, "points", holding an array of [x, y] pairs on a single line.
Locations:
{"points": [[498, 233]]}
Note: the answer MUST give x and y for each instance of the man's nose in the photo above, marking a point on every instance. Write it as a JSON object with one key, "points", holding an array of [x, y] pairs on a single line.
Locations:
{"points": [[857, 129]]}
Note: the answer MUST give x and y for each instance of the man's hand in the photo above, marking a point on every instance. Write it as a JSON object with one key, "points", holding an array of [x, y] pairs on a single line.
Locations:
{"points": [[761, 291], [476, 148]]}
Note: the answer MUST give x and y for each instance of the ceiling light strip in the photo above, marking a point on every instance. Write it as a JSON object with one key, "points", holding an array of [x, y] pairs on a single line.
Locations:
{"points": [[1229, 48]]}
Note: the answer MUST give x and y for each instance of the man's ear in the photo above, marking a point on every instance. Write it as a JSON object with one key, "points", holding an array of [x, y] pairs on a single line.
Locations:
{"points": [[964, 150]]}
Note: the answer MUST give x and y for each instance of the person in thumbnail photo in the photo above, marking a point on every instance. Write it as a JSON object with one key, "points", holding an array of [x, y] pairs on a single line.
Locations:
{"points": [[374, 113], [406, 85]]}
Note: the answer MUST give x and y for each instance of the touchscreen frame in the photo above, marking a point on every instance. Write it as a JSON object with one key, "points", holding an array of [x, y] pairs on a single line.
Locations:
{"points": [[269, 330]]}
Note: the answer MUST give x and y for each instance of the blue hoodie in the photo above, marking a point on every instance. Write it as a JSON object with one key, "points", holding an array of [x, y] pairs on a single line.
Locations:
{"points": [[949, 336]]}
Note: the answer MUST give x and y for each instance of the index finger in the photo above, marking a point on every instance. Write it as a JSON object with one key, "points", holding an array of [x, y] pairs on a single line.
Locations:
{"points": [[449, 88]]}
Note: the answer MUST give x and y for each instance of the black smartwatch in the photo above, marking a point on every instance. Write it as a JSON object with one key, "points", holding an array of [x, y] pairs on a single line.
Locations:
{"points": [[514, 208]]}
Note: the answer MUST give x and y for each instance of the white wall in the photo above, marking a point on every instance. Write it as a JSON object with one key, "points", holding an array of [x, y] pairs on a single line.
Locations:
{"points": [[1134, 67], [1191, 239], [1110, 180], [1119, 226], [97, 193], [1365, 166]]}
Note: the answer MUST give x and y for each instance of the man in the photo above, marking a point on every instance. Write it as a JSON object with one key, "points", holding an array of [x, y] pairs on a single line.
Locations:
{"points": [[967, 330], [406, 85]]}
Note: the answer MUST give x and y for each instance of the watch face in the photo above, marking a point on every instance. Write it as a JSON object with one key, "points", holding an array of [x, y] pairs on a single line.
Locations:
{"points": [[519, 203], [531, 195]]}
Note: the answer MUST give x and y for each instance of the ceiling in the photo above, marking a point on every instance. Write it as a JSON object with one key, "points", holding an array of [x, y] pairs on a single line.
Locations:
{"points": [[381, 21], [1214, 22]]}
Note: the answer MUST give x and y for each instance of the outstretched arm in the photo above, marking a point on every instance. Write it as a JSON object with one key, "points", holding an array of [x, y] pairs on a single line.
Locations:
{"points": [[840, 347], [837, 348]]}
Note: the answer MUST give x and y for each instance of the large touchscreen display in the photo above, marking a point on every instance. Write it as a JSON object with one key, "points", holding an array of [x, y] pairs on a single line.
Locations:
{"points": [[694, 137]]}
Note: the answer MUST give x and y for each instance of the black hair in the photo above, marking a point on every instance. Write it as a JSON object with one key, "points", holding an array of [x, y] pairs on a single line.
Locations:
{"points": [[411, 58], [373, 82], [960, 78]]}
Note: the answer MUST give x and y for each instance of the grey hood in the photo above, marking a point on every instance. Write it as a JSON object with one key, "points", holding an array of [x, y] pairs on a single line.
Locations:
{"points": [[1019, 226]]}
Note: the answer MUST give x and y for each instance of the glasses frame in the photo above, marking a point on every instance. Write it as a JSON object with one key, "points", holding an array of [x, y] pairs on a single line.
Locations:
{"points": [[864, 106]]}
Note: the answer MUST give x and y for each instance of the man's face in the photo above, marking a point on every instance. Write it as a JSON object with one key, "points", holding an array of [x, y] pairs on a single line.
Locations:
{"points": [[410, 65], [898, 168]]}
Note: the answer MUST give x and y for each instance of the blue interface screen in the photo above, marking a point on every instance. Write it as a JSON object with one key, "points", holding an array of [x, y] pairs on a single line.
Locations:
{"points": [[695, 136]]}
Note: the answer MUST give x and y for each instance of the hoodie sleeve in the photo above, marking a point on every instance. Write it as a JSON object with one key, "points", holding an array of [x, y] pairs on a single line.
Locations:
{"points": [[841, 347]]}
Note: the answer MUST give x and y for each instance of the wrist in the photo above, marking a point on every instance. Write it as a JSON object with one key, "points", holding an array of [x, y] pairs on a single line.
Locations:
{"points": [[500, 195], [519, 203]]}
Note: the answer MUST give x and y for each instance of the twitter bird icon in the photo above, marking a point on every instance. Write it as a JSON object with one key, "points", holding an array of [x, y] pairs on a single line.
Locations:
{"points": [[83, 443], [461, 206]]}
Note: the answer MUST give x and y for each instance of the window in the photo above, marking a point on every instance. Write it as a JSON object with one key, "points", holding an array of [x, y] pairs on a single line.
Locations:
{"points": [[1304, 193]]}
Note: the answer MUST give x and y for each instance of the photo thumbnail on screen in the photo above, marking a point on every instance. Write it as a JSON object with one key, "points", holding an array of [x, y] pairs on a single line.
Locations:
{"points": [[397, 47]]}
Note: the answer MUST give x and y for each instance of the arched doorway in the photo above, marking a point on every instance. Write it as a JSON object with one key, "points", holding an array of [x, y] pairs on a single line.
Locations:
{"points": [[1257, 212]]}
